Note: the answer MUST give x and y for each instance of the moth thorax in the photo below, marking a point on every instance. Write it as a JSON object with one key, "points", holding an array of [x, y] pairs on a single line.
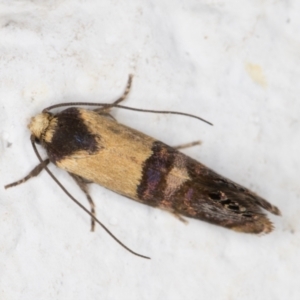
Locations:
{"points": [[39, 124]]}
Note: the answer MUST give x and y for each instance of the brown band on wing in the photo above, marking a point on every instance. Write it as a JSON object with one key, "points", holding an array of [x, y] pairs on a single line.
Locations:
{"points": [[154, 175]]}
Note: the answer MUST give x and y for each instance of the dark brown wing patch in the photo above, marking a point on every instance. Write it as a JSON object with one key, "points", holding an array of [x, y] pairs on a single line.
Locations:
{"points": [[71, 135]]}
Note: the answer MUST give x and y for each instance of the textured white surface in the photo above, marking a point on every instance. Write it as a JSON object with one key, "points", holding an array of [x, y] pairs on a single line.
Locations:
{"points": [[235, 63]]}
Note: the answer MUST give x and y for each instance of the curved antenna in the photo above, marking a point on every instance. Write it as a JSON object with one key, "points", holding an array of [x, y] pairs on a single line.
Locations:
{"points": [[107, 106], [111, 105], [79, 204], [163, 112]]}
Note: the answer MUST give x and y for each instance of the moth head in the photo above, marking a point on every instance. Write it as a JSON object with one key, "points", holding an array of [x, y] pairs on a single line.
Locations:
{"points": [[38, 125]]}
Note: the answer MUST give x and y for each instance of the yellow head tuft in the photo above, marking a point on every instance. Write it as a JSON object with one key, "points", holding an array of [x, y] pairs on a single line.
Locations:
{"points": [[39, 124]]}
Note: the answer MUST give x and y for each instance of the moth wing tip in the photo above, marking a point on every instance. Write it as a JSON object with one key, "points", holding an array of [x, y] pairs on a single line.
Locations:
{"points": [[261, 226], [275, 210], [268, 227]]}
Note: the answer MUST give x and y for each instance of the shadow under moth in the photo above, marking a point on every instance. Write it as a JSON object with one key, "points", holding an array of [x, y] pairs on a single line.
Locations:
{"points": [[94, 148]]}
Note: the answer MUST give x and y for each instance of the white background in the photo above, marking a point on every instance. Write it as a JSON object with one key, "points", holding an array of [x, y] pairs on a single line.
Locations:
{"points": [[235, 63]]}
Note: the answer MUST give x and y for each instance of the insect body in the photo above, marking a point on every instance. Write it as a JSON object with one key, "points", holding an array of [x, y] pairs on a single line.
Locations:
{"points": [[93, 147]]}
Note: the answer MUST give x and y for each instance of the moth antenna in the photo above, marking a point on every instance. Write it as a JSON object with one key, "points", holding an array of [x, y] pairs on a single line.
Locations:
{"points": [[80, 205], [106, 106], [111, 105], [164, 112]]}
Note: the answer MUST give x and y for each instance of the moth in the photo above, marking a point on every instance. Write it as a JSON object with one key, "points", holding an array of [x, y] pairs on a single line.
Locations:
{"points": [[94, 148]]}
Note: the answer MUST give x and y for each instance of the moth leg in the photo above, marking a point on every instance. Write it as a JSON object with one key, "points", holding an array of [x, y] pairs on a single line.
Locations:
{"points": [[82, 183], [35, 172], [183, 146], [106, 109], [126, 92]]}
